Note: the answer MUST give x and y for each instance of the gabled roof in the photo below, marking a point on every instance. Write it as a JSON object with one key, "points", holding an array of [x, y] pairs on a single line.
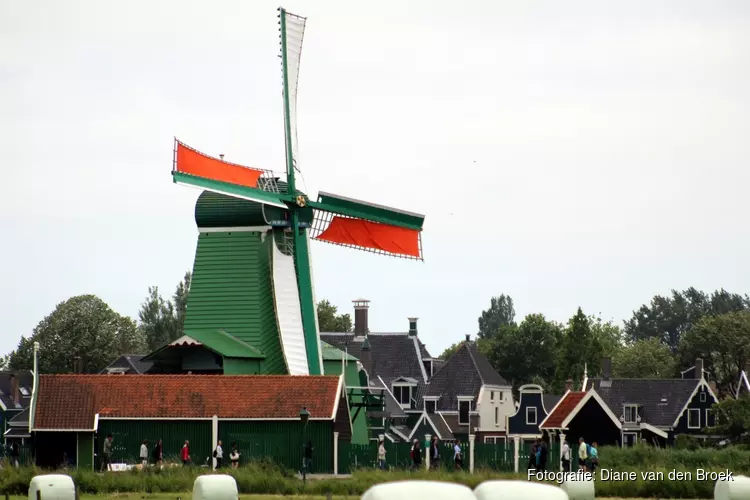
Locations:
{"points": [[392, 355], [743, 385], [549, 401], [219, 341], [129, 363], [562, 410], [451, 420], [463, 374], [331, 353], [662, 400], [70, 402]]}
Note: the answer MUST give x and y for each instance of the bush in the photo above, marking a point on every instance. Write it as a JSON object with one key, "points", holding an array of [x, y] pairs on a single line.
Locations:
{"points": [[267, 478]]}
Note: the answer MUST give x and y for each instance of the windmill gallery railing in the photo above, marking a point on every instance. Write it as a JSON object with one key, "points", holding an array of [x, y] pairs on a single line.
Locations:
{"points": [[501, 456]]}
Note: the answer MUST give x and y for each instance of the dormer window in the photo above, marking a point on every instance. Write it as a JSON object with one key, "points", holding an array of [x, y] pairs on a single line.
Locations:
{"points": [[430, 404], [404, 390], [428, 368], [630, 414]]}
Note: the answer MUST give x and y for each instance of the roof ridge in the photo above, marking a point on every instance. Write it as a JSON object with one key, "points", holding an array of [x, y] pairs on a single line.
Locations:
{"points": [[474, 361]]}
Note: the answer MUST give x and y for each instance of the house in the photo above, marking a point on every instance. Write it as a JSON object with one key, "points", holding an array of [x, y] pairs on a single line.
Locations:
{"points": [[15, 397], [72, 415], [469, 397], [532, 408], [394, 366], [623, 412], [132, 364]]}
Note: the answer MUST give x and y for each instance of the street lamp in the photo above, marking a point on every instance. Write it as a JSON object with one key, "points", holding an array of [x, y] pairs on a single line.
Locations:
{"points": [[304, 416]]}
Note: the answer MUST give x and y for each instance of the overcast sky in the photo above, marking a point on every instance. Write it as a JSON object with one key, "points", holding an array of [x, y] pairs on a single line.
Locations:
{"points": [[577, 153]]}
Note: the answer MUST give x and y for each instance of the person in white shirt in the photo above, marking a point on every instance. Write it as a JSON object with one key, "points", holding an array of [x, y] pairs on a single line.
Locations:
{"points": [[234, 456], [381, 455], [565, 457], [218, 455], [583, 454], [457, 455], [144, 453]]}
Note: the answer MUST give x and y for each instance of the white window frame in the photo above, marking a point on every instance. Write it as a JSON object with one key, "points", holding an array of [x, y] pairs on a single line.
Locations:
{"points": [[494, 439], [703, 397], [497, 417], [430, 399], [625, 414], [500, 396], [536, 416], [689, 412], [712, 414], [464, 400], [492, 395], [634, 434], [405, 406]]}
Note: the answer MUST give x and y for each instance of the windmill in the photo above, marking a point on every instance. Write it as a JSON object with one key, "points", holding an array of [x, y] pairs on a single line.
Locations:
{"points": [[285, 220]]}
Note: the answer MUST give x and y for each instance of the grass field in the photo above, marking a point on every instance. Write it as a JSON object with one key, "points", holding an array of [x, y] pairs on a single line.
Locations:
{"points": [[189, 496]]}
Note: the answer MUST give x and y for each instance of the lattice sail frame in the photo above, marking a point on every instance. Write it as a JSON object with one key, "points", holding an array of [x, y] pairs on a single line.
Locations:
{"points": [[322, 219], [266, 182]]}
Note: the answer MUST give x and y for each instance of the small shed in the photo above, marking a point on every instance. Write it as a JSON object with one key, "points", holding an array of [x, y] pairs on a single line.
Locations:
{"points": [[73, 414]]}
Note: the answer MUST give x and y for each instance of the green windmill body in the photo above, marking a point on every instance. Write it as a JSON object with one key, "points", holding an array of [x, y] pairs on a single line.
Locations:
{"points": [[252, 296]]}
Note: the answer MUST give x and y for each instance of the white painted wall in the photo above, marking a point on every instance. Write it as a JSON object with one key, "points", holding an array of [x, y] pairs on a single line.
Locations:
{"points": [[486, 407]]}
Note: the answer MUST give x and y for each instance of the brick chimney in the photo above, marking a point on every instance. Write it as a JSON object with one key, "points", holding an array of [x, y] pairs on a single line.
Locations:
{"points": [[606, 368], [77, 365], [365, 357], [569, 385], [14, 389], [698, 368], [361, 306], [468, 337], [413, 327]]}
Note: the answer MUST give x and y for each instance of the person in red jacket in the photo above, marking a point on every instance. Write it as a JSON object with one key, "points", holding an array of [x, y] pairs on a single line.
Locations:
{"points": [[186, 453]]}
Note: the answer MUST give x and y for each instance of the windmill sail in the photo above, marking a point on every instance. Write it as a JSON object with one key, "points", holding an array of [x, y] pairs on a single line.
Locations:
{"points": [[292, 33]]}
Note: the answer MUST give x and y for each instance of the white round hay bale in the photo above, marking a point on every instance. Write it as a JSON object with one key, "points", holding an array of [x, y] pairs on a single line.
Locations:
{"points": [[52, 487], [578, 490], [215, 487], [518, 490], [736, 489], [411, 490]]}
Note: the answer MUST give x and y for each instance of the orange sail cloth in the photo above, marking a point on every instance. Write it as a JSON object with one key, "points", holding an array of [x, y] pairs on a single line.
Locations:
{"points": [[362, 233], [194, 163]]}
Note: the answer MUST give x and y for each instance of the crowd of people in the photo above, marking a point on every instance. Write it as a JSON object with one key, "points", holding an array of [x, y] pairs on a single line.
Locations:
{"points": [[157, 454], [435, 454]]}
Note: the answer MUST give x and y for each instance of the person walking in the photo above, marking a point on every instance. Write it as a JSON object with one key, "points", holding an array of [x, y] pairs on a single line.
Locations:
{"points": [[185, 453], [434, 453], [158, 454], [15, 455], [543, 452], [144, 453], [218, 455], [532, 457], [416, 455], [308, 457], [381, 455], [457, 458], [107, 453], [593, 457], [565, 458], [234, 457], [583, 454]]}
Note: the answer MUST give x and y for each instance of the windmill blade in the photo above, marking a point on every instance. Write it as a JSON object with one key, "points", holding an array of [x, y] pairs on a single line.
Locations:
{"points": [[291, 33], [367, 226], [196, 169]]}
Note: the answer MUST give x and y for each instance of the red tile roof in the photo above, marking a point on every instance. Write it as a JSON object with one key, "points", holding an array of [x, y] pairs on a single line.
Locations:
{"points": [[71, 401], [563, 409]]}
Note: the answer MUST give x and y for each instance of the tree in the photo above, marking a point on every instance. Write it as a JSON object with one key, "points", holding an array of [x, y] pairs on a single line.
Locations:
{"points": [[609, 335], [450, 351], [329, 321], [669, 318], [647, 358], [723, 342], [163, 321], [82, 326], [500, 313], [579, 347], [733, 418], [524, 353]]}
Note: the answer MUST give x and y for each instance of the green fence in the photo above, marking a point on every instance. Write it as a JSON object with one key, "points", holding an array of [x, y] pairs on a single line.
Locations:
{"points": [[497, 457]]}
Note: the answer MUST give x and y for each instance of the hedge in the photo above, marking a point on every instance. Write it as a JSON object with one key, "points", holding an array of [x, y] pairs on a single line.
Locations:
{"points": [[264, 478]]}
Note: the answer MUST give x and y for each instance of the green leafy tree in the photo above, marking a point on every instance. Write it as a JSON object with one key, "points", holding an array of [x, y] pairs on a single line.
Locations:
{"points": [[82, 326], [500, 313], [733, 418], [163, 321], [723, 342], [579, 348], [524, 353], [669, 318], [608, 334], [450, 351], [330, 321], [647, 358]]}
